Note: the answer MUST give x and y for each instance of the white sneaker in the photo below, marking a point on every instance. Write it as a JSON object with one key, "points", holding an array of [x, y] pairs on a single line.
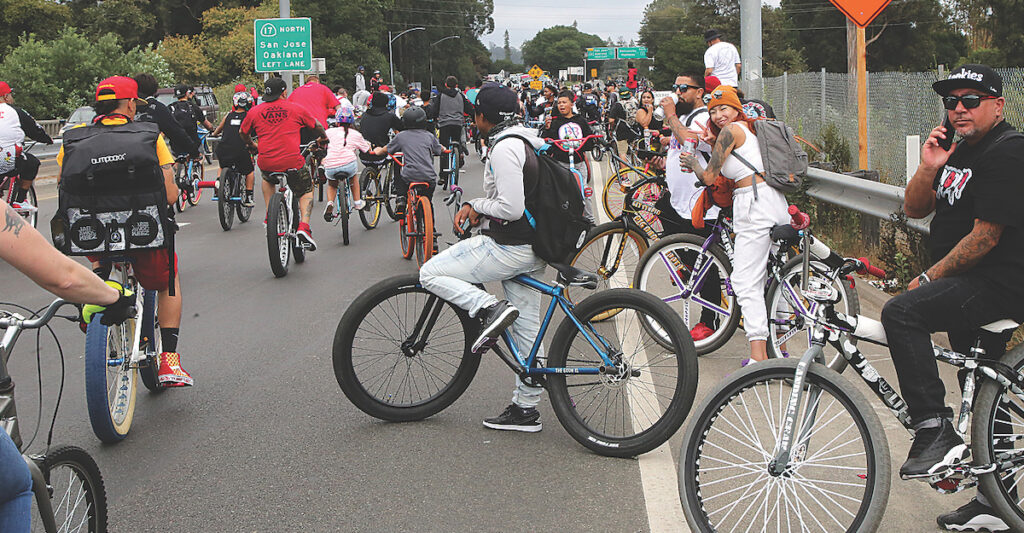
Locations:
{"points": [[359, 205]]}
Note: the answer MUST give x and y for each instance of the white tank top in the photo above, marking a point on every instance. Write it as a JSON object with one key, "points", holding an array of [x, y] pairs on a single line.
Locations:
{"points": [[733, 168], [10, 127]]}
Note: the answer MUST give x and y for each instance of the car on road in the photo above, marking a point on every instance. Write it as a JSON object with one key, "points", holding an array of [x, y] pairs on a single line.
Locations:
{"points": [[82, 115]]}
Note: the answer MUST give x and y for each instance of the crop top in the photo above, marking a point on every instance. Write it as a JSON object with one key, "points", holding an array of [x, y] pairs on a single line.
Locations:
{"points": [[733, 168]]}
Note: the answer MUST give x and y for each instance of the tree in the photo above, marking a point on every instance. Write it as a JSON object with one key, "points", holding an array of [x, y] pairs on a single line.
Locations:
{"points": [[995, 29], [681, 53], [558, 47], [508, 48], [130, 20], [18, 18]]}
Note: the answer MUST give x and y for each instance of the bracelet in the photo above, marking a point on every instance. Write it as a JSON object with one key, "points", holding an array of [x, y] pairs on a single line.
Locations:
{"points": [[923, 278]]}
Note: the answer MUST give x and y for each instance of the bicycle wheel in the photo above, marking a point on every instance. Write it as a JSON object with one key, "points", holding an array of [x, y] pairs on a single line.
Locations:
{"points": [[640, 402], [669, 263], [612, 251], [151, 342], [110, 380], [999, 415], [343, 212], [298, 252], [369, 186], [387, 192], [31, 215], [77, 493], [278, 241], [839, 472], [384, 361], [225, 206], [787, 328], [242, 211], [596, 153], [194, 191], [424, 231]]}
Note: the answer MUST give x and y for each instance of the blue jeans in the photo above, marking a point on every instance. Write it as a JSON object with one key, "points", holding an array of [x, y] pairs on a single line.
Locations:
{"points": [[342, 172], [15, 489], [452, 273]]}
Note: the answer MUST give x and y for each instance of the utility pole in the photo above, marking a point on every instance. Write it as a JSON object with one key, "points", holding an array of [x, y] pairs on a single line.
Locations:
{"points": [[750, 46], [285, 11]]}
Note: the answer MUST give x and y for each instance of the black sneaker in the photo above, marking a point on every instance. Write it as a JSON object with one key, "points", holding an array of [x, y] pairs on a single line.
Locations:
{"points": [[247, 199], [494, 320], [329, 212], [973, 516], [515, 418], [934, 450]]}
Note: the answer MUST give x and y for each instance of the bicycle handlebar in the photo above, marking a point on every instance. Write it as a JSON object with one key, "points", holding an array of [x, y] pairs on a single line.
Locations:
{"points": [[14, 320], [798, 219], [864, 267], [582, 141], [396, 158]]}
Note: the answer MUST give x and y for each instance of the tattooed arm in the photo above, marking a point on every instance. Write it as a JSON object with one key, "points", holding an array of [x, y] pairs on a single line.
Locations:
{"points": [[729, 138], [967, 253], [27, 250]]}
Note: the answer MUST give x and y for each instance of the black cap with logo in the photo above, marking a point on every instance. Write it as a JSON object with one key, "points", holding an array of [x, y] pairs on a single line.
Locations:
{"points": [[273, 89], [972, 76]]}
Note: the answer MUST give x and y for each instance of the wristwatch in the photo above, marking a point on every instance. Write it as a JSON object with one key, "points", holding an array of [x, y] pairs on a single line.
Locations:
{"points": [[923, 278]]}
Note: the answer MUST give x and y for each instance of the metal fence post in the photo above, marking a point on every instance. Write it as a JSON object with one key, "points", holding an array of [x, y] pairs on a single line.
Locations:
{"points": [[822, 97], [867, 92], [785, 96]]}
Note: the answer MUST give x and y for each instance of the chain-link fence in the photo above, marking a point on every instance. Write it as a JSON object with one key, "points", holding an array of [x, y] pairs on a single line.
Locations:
{"points": [[899, 104]]}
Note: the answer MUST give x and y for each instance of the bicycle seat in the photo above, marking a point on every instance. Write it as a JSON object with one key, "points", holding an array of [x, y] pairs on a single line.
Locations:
{"points": [[572, 276], [1000, 326], [423, 184], [785, 232]]}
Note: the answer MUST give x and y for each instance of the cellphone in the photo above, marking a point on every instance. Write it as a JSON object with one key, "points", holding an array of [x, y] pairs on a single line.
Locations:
{"points": [[946, 143]]}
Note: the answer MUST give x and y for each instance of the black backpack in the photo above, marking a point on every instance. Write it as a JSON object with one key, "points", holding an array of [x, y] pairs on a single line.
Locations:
{"points": [[182, 113], [554, 207]]}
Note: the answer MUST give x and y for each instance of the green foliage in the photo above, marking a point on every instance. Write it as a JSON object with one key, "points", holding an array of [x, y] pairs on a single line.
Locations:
{"points": [[53, 77], [42, 18], [507, 66], [992, 57], [130, 20], [681, 53], [185, 57], [558, 47], [835, 148], [903, 250]]}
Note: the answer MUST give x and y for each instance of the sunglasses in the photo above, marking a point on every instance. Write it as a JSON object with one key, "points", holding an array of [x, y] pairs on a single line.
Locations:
{"points": [[970, 101], [684, 87]]}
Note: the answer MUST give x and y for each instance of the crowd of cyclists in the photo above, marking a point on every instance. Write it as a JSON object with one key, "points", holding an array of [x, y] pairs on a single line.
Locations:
{"points": [[701, 139]]}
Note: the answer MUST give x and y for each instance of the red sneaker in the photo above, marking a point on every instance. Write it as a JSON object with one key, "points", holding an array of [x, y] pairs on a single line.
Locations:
{"points": [[701, 331], [305, 235], [171, 374]]}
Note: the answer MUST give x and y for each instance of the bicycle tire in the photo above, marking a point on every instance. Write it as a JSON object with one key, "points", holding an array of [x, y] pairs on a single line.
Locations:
{"points": [[243, 211], [401, 294], [599, 255], [369, 187], [614, 197], [151, 338], [194, 191], [278, 227], [755, 451], [84, 485], [298, 252], [425, 231], [110, 416], [850, 305], [389, 197], [343, 212], [596, 153], [225, 206], [681, 358], [991, 398], [652, 276]]}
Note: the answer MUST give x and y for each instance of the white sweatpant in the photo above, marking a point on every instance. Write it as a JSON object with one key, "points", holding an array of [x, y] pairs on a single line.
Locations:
{"points": [[753, 221]]}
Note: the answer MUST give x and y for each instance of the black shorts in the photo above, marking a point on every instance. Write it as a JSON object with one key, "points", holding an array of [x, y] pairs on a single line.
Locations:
{"points": [[298, 179], [241, 162]]}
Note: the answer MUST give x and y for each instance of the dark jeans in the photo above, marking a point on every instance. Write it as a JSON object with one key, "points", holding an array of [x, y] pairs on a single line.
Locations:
{"points": [[673, 224], [958, 305]]}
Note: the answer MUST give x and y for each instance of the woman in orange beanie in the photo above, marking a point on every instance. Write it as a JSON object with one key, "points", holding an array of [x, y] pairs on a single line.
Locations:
{"points": [[756, 207]]}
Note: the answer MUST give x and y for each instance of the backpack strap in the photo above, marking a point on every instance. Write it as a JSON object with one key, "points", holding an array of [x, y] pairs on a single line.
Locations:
{"points": [[531, 163], [751, 167], [693, 115]]}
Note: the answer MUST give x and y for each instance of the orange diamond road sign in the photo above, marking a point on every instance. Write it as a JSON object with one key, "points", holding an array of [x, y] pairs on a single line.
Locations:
{"points": [[861, 12]]}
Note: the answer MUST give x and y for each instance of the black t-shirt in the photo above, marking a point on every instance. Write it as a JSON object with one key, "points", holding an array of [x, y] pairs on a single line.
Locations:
{"points": [[231, 144], [984, 181], [623, 131], [569, 128]]}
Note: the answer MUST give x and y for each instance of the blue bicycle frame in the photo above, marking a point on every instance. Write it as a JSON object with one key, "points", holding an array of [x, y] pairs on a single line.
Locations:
{"points": [[525, 366]]}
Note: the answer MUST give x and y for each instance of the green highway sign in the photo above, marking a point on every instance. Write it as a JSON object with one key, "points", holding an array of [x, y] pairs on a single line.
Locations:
{"points": [[600, 53], [632, 52], [283, 45]]}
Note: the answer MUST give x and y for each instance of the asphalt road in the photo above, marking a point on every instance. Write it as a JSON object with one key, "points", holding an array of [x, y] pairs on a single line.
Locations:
{"points": [[266, 441]]}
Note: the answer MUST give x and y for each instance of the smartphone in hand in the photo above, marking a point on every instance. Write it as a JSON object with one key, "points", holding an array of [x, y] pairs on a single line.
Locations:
{"points": [[946, 143]]}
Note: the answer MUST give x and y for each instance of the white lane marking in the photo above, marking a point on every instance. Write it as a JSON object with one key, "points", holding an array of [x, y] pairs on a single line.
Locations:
{"points": [[182, 224], [658, 475]]}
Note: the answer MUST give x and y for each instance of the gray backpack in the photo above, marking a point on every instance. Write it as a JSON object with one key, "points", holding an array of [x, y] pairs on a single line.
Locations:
{"points": [[785, 163]]}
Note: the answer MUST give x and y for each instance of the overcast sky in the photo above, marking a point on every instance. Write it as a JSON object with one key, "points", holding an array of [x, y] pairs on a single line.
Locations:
{"points": [[606, 18]]}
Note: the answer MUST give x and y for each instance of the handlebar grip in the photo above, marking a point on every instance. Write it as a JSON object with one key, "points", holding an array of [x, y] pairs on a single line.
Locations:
{"points": [[866, 268], [798, 219]]}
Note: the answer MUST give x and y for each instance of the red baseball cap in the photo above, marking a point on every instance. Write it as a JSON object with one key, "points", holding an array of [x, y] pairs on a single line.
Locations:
{"points": [[118, 88], [240, 87], [5, 89], [711, 83], [384, 88]]}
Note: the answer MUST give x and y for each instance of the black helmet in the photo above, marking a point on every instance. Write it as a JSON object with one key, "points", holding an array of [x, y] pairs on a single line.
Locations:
{"points": [[415, 118]]}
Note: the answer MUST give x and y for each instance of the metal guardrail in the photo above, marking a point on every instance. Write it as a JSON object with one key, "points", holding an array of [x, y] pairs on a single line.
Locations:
{"points": [[880, 200], [51, 127]]}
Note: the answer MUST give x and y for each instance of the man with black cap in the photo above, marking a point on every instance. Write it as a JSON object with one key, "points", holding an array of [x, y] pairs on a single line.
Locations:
{"points": [[15, 125], [502, 251], [977, 236], [721, 59], [277, 123], [188, 114]]}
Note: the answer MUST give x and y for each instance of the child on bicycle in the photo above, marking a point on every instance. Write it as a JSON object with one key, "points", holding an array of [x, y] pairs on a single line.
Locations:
{"points": [[231, 151], [418, 146], [340, 161]]}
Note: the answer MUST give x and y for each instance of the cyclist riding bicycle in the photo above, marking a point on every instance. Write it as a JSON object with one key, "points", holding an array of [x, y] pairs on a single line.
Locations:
{"points": [[977, 233], [15, 124], [156, 269], [231, 151], [277, 122], [449, 110], [502, 251], [155, 111], [570, 126], [188, 114], [589, 104], [622, 120], [318, 100], [418, 146], [340, 161]]}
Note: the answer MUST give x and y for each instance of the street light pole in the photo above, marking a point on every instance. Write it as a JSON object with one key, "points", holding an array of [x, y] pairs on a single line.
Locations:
{"points": [[391, 60], [430, 56]]}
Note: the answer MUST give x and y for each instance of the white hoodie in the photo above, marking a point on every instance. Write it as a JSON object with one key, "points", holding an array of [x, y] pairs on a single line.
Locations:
{"points": [[504, 197]]}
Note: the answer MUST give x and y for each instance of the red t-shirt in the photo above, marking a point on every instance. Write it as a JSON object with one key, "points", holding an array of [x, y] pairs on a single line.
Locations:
{"points": [[277, 125], [317, 99]]}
